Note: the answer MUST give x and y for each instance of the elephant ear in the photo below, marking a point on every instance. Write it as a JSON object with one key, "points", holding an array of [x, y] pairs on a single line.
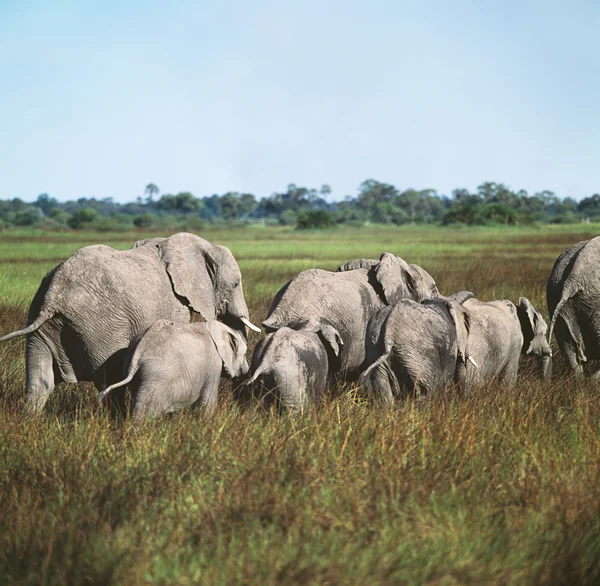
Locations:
{"points": [[533, 326], [147, 242], [230, 346], [462, 324], [461, 296], [331, 338], [395, 278], [191, 266], [359, 263]]}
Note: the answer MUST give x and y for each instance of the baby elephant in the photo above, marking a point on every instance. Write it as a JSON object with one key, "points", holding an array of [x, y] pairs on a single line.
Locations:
{"points": [[292, 366], [416, 348], [174, 365]]}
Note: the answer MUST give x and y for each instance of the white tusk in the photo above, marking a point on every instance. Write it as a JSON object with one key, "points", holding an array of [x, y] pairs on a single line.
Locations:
{"points": [[249, 324], [472, 361]]}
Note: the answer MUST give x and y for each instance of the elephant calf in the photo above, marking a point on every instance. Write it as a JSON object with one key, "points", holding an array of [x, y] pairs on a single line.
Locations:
{"points": [[174, 365], [292, 366], [415, 348], [499, 333]]}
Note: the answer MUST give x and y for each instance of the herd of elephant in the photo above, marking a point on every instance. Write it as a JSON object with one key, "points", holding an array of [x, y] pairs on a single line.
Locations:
{"points": [[125, 319]]}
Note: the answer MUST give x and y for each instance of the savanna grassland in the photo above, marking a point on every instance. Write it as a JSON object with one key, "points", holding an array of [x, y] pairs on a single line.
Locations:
{"points": [[500, 487]]}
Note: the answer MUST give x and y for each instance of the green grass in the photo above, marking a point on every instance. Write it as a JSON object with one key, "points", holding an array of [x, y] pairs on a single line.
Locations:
{"points": [[498, 487]]}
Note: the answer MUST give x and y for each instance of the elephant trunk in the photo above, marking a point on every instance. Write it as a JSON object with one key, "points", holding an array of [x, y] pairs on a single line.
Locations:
{"points": [[546, 367], [461, 374], [236, 314]]}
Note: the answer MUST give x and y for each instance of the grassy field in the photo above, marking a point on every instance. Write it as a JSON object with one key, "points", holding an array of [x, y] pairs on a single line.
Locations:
{"points": [[496, 488]]}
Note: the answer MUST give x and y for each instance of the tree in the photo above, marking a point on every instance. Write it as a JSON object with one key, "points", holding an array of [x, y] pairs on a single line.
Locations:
{"points": [[150, 191], [82, 218], [318, 219], [371, 193], [45, 203]]}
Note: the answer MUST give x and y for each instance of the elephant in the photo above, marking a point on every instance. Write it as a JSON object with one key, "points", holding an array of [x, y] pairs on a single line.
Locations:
{"points": [[490, 336], [345, 300], [175, 365], [499, 333], [292, 366], [573, 297], [416, 348], [90, 307]]}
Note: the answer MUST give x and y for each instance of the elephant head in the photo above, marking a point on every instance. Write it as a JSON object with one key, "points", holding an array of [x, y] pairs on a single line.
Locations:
{"points": [[395, 279], [535, 331], [205, 276], [231, 347]]}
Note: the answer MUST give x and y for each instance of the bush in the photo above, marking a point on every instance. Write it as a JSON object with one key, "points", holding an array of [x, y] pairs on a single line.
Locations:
{"points": [[27, 217], [314, 219], [82, 218], [288, 218], [144, 221]]}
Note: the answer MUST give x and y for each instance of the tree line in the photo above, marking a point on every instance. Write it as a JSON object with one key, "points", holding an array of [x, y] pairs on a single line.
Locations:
{"points": [[303, 207]]}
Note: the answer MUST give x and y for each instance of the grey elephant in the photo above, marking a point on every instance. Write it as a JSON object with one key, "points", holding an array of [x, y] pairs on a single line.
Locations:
{"points": [[416, 348], [499, 334], [573, 297], [345, 300], [292, 366], [451, 340], [89, 308], [175, 365]]}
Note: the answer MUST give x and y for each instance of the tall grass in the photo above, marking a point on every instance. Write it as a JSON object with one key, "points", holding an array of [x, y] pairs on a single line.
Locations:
{"points": [[497, 487]]}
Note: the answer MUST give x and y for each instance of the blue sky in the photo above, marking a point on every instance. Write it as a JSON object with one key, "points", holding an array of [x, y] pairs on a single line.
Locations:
{"points": [[97, 99]]}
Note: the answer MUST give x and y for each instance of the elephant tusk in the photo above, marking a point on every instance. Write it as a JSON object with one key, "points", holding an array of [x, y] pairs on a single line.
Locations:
{"points": [[249, 324], [472, 361]]}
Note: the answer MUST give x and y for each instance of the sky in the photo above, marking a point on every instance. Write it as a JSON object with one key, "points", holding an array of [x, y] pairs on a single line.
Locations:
{"points": [[98, 99]]}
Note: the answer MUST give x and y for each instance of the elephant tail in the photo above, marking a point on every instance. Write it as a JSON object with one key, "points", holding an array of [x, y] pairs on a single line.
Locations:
{"points": [[386, 391], [133, 368], [34, 326], [102, 395], [557, 311]]}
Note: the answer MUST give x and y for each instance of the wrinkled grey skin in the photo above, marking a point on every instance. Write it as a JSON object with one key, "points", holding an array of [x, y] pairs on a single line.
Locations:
{"points": [[89, 308], [345, 301], [175, 365], [416, 348], [291, 366], [499, 333], [573, 296]]}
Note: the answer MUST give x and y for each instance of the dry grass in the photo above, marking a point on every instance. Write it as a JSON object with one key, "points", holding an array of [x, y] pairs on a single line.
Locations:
{"points": [[498, 487]]}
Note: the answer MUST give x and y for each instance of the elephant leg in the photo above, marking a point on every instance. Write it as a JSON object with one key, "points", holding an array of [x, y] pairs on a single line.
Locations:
{"points": [[210, 395], [40, 374], [568, 347], [508, 377], [570, 354]]}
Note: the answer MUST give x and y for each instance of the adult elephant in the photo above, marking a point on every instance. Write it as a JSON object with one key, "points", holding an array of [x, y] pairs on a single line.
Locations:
{"points": [[89, 308], [338, 305], [499, 334], [573, 297]]}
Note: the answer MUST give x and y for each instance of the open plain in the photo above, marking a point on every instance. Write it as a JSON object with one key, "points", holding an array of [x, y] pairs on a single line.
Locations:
{"points": [[500, 487]]}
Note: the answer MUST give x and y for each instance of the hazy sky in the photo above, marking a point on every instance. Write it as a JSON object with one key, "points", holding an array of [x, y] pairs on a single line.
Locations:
{"points": [[97, 99]]}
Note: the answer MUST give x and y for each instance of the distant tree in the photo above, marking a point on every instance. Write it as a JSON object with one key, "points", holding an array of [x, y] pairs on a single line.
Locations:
{"points": [[144, 220], [247, 204], [318, 219], [151, 190], [325, 191], [46, 203], [27, 217], [182, 203], [82, 218], [230, 206]]}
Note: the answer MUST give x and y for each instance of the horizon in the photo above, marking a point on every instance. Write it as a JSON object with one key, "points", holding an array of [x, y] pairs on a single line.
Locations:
{"points": [[99, 101]]}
